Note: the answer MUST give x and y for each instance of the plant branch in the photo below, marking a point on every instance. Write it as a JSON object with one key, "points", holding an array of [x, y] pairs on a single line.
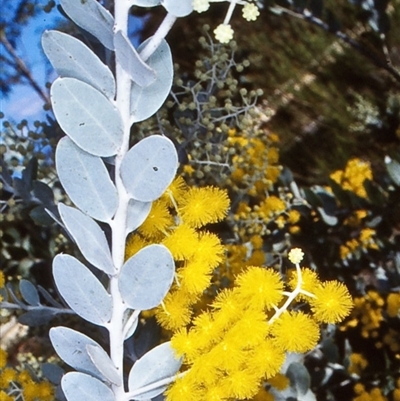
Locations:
{"points": [[366, 52], [21, 66]]}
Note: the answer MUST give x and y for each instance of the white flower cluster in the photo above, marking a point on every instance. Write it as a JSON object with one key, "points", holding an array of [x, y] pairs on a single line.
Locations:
{"points": [[201, 5], [224, 32]]}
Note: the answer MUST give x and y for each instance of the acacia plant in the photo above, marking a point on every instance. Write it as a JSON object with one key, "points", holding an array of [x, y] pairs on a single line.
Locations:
{"points": [[141, 233]]}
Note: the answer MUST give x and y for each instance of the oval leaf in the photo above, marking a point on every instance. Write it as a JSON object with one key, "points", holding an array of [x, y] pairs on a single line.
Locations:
{"points": [[146, 277], [149, 167], [180, 8], [93, 18], [131, 62], [86, 181], [145, 101], [89, 237], [70, 346], [37, 317], [81, 290], [87, 116], [71, 58], [137, 214], [393, 168], [146, 3], [103, 363], [29, 292], [158, 364], [80, 386]]}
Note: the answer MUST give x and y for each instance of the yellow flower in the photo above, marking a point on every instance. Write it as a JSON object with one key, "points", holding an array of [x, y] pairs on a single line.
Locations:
{"points": [[393, 304], [296, 255], [204, 205], [357, 363], [309, 280], [182, 242], [194, 277], [294, 216], [134, 244], [3, 358], [279, 381], [354, 176], [5, 397], [175, 192], [267, 358], [260, 287], [157, 222], [2, 279], [332, 303], [175, 313], [295, 332], [7, 375], [209, 250]]}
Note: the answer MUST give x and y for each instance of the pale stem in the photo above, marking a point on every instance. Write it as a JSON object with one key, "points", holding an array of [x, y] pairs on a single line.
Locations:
{"points": [[158, 37], [153, 386], [291, 296], [118, 223], [229, 13]]}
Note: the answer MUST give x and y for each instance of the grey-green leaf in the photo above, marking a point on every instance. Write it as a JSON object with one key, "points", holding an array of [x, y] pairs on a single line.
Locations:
{"points": [[131, 62], [180, 8], [149, 168], [71, 347], [146, 277], [89, 237], [86, 181], [146, 3], [71, 58], [80, 386], [157, 364], [393, 168], [103, 363], [87, 116], [29, 292], [81, 290], [93, 18], [145, 101], [137, 214]]}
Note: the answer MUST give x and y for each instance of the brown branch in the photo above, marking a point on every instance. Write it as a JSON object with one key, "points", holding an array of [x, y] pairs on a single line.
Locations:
{"points": [[20, 66]]}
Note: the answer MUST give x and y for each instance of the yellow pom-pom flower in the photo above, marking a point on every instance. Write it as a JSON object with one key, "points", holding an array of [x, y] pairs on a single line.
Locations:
{"points": [[295, 332], [260, 287], [204, 205], [332, 302]]}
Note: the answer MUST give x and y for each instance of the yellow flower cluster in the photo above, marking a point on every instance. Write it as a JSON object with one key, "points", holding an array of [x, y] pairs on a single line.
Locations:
{"points": [[366, 240], [369, 314], [19, 385], [375, 394], [2, 283], [176, 220], [352, 178], [255, 165], [242, 340]]}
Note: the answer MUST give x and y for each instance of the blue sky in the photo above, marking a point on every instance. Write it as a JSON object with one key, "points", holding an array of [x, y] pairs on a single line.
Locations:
{"points": [[23, 102]]}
